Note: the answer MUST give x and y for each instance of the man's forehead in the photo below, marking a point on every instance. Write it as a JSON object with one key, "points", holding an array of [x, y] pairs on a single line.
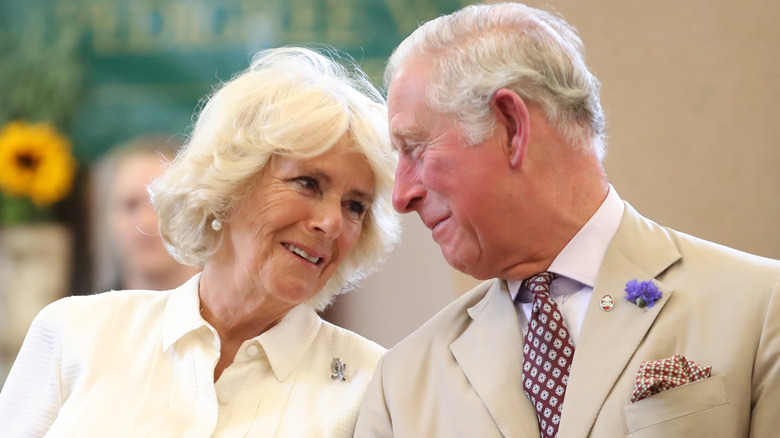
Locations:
{"points": [[409, 82], [408, 109]]}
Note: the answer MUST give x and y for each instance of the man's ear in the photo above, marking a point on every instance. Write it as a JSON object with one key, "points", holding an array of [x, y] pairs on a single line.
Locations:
{"points": [[512, 113]]}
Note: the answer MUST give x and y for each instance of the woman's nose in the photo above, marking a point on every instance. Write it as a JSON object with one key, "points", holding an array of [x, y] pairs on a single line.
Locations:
{"points": [[329, 218]]}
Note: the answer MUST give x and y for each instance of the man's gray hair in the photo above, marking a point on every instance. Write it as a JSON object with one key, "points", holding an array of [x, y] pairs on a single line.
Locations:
{"points": [[483, 48]]}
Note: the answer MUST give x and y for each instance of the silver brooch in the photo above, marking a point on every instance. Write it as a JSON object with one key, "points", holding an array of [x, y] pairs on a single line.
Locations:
{"points": [[337, 368]]}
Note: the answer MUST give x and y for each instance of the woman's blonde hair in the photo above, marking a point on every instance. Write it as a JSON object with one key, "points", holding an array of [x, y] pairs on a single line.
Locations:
{"points": [[291, 101]]}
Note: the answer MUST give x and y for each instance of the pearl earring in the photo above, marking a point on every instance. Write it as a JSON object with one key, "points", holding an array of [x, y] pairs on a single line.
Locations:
{"points": [[216, 225]]}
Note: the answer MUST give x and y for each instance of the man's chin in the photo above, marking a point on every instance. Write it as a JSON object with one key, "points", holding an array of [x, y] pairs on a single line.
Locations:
{"points": [[459, 263], [469, 266]]}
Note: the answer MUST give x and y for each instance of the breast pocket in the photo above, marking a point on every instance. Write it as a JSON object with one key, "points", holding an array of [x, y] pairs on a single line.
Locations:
{"points": [[677, 402]]}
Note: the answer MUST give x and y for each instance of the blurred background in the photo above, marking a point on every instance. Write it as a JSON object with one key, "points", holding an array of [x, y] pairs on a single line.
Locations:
{"points": [[690, 90]]}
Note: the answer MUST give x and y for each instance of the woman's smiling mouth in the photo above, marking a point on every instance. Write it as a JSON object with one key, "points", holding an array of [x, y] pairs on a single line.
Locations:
{"points": [[302, 253]]}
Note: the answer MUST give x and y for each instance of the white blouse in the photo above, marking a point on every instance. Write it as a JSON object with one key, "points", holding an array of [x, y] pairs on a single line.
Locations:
{"points": [[141, 363]]}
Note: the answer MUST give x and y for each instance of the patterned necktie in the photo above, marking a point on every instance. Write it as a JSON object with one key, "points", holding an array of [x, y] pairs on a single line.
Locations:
{"points": [[547, 356]]}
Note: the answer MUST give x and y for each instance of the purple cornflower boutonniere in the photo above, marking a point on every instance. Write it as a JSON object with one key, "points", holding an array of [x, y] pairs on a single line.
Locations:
{"points": [[643, 293]]}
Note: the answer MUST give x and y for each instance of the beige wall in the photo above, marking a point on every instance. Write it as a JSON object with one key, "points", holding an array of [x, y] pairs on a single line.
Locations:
{"points": [[693, 108]]}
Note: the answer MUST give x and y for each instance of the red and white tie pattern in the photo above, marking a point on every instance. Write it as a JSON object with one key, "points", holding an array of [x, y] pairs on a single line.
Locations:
{"points": [[547, 356]]}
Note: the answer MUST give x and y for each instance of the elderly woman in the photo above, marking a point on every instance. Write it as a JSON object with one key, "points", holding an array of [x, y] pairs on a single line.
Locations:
{"points": [[283, 196]]}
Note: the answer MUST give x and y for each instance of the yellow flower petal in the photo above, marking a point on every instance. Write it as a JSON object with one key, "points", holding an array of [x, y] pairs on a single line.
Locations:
{"points": [[35, 162]]}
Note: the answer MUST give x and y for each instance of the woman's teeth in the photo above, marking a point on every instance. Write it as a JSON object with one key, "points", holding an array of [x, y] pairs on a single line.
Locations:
{"points": [[302, 253]]}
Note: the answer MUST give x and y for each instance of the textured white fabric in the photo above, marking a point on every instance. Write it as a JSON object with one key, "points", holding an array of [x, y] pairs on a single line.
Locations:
{"points": [[140, 363]]}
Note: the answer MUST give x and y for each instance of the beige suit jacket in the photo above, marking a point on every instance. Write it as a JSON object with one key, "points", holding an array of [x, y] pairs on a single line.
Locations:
{"points": [[459, 374]]}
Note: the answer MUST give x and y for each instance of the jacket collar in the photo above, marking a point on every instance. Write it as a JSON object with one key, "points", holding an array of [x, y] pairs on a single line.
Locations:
{"points": [[640, 250], [490, 354]]}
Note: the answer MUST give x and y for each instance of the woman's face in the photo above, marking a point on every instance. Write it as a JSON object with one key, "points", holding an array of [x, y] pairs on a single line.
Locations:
{"points": [[133, 220], [299, 223]]}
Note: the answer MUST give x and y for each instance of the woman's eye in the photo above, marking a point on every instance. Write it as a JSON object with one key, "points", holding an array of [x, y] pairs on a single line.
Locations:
{"points": [[130, 205], [357, 207], [308, 183]]}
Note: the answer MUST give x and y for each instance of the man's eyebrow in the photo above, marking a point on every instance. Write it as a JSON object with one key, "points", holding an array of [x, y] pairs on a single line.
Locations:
{"points": [[410, 132]]}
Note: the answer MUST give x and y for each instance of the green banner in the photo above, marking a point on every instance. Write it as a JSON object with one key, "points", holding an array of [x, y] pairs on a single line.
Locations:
{"points": [[105, 71]]}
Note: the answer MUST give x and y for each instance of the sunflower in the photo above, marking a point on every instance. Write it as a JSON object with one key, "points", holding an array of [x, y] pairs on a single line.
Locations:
{"points": [[35, 162]]}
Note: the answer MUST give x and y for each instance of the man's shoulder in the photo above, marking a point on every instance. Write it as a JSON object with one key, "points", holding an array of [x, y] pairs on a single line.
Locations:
{"points": [[694, 247], [640, 234], [444, 327]]}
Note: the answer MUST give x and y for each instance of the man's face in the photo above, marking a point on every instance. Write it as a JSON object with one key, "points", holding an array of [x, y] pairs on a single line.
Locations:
{"points": [[452, 186]]}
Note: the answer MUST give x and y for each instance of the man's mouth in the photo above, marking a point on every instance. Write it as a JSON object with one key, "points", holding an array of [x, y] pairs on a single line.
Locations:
{"points": [[435, 223], [302, 253]]}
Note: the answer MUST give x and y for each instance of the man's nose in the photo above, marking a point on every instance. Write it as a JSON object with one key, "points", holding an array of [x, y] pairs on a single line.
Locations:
{"points": [[409, 191]]}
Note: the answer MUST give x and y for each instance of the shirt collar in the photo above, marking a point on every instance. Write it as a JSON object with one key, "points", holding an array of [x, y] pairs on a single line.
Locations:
{"points": [[182, 312], [581, 258], [286, 343]]}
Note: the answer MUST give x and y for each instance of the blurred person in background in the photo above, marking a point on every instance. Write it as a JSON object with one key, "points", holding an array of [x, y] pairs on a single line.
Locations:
{"points": [[131, 253], [283, 196]]}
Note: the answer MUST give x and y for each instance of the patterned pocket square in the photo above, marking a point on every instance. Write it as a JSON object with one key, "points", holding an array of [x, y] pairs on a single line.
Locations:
{"points": [[655, 376]]}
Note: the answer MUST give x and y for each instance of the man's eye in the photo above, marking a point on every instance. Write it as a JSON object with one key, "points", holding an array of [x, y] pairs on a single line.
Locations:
{"points": [[415, 151]]}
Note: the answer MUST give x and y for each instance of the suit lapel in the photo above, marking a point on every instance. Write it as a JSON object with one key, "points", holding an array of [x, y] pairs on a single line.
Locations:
{"points": [[640, 250], [490, 354]]}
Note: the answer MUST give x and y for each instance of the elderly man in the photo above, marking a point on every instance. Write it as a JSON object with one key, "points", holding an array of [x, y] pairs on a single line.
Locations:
{"points": [[597, 321]]}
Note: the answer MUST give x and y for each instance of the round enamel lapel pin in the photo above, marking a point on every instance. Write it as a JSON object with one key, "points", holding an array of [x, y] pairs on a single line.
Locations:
{"points": [[607, 303]]}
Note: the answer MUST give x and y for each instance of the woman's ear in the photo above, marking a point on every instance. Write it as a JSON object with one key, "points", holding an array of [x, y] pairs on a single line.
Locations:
{"points": [[512, 113]]}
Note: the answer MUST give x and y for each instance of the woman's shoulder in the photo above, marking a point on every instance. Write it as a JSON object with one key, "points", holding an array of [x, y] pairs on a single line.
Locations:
{"points": [[110, 299], [349, 344], [84, 310]]}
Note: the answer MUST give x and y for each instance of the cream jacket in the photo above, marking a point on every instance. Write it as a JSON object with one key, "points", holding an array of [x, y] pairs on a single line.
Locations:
{"points": [[459, 374]]}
